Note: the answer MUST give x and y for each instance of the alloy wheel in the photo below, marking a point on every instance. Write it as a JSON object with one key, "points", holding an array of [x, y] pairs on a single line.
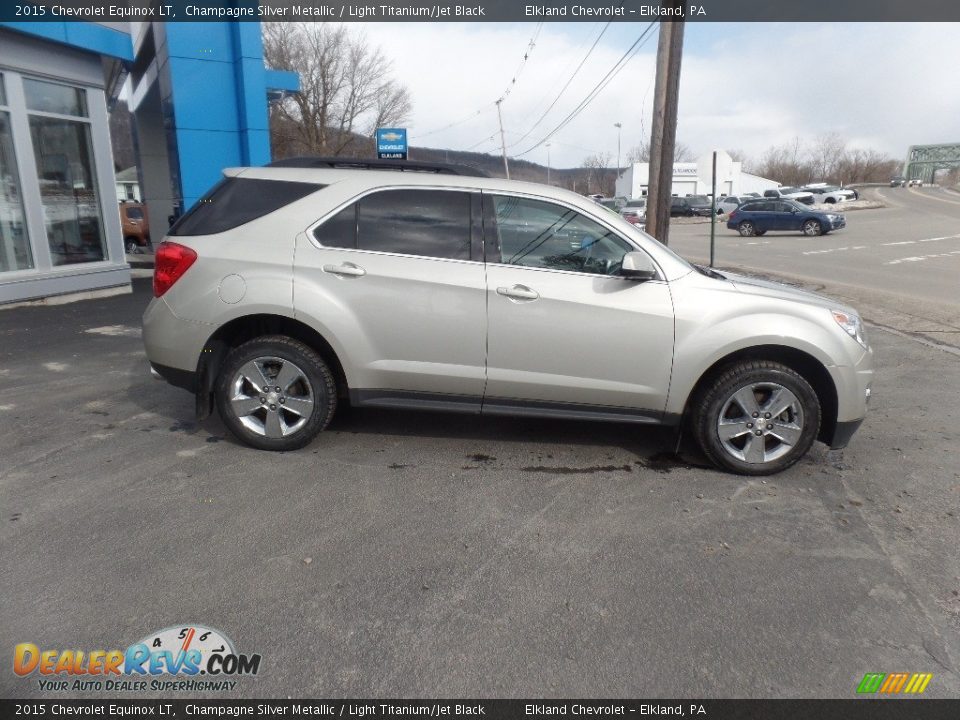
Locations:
{"points": [[760, 422], [271, 397]]}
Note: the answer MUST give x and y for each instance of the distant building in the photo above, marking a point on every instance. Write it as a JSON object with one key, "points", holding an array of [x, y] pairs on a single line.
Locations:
{"points": [[693, 178], [128, 186]]}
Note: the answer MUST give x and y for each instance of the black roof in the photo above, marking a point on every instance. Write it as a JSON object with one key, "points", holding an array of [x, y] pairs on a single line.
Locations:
{"points": [[364, 164]]}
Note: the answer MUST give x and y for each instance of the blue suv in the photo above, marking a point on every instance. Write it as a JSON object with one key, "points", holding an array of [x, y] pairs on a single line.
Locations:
{"points": [[756, 218]]}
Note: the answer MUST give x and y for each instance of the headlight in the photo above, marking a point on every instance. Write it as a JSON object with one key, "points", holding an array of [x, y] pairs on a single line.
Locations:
{"points": [[852, 325]]}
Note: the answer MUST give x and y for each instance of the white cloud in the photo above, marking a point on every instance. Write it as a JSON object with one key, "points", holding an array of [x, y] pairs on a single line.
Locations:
{"points": [[883, 85]]}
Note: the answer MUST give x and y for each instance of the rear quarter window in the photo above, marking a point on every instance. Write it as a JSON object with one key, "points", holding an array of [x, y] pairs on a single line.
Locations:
{"points": [[235, 201]]}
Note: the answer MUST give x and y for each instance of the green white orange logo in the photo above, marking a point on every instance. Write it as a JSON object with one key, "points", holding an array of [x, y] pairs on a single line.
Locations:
{"points": [[895, 683]]}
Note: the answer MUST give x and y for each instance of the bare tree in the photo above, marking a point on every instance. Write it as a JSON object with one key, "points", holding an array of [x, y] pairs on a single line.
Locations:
{"points": [[346, 90], [599, 176], [826, 153], [825, 159], [641, 153]]}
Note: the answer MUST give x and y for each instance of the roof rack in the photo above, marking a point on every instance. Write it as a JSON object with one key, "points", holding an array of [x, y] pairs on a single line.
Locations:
{"points": [[361, 164]]}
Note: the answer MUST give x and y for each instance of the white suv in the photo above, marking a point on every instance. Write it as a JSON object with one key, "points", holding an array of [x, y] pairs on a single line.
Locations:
{"points": [[294, 287]]}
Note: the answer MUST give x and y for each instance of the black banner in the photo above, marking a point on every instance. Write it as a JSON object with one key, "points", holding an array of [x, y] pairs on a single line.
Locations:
{"points": [[853, 709], [480, 10]]}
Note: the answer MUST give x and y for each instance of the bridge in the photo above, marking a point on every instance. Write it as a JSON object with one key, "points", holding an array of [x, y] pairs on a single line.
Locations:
{"points": [[924, 160]]}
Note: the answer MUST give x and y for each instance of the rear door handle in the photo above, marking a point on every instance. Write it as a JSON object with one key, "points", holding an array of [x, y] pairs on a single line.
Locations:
{"points": [[518, 292], [345, 269]]}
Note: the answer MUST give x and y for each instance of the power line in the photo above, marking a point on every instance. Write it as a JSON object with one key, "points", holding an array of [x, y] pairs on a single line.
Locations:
{"points": [[523, 63], [563, 89], [471, 116], [632, 51], [490, 106]]}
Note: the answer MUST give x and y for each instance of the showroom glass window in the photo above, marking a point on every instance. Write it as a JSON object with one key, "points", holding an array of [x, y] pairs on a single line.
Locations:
{"points": [[15, 251], [63, 148]]}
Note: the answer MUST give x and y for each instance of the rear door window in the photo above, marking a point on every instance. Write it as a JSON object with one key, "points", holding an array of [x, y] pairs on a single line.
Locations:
{"points": [[432, 223], [235, 201]]}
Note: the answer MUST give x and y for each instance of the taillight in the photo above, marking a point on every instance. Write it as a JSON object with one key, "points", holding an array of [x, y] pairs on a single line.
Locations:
{"points": [[732, 215], [171, 261]]}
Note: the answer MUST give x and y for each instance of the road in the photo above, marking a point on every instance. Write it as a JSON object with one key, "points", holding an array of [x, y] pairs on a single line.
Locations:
{"points": [[410, 555], [901, 259]]}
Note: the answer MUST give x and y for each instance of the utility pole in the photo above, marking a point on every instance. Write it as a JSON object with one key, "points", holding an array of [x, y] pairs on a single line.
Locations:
{"points": [[663, 134], [503, 142], [548, 163], [618, 126]]}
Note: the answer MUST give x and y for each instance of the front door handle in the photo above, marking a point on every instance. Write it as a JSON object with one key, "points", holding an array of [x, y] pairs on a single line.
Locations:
{"points": [[518, 292], [345, 269]]}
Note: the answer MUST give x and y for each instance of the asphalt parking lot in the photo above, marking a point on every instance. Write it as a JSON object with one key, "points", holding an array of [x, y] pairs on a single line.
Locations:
{"points": [[406, 554]]}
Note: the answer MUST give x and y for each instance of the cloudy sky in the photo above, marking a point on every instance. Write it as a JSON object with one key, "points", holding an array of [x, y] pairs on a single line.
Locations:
{"points": [[745, 85]]}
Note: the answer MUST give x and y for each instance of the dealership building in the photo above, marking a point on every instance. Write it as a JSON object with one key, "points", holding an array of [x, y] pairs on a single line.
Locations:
{"points": [[198, 93], [694, 178]]}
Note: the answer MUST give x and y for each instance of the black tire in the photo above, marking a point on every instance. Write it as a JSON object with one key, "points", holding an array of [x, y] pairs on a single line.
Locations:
{"points": [[715, 402], [314, 392], [131, 245], [812, 228], [747, 228]]}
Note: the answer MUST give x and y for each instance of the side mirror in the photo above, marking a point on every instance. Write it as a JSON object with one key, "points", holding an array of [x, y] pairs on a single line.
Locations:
{"points": [[638, 266]]}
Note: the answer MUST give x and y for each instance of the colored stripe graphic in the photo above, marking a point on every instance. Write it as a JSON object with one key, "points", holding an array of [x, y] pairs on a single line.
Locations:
{"points": [[895, 683], [871, 682]]}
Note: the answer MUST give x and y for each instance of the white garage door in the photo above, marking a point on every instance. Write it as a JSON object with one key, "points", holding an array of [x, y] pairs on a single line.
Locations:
{"points": [[682, 188]]}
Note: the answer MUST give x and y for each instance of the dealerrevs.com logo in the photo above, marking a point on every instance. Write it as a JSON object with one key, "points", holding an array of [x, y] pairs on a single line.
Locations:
{"points": [[174, 658]]}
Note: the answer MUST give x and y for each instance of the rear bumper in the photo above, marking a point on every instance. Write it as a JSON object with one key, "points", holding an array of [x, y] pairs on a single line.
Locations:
{"points": [[175, 376]]}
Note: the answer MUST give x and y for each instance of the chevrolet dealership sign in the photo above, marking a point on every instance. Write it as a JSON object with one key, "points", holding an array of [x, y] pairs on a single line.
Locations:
{"points": [[392, 143]]}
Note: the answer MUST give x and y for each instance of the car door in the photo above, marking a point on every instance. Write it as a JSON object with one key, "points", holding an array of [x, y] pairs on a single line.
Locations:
{"points": [[781, 215], [566, 334], [395, 283]]}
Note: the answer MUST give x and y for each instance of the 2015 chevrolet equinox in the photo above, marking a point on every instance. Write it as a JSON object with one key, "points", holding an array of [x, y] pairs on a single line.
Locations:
{"points": [[295, 286]]}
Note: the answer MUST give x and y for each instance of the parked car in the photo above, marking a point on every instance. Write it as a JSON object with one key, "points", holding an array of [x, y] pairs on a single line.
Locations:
{"points": [[135, 225], [635, 211], [790, 193], [690, 206], [898, 181], [760, 216], [432, 287], [830, 194], [729, 203], [915, 182], [750, 195]]}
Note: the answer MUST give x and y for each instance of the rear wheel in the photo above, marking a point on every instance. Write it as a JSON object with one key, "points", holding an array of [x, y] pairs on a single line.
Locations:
{"points": [[747, 229], [812, 228], [756, 418], [132, 246], [275, 393]]}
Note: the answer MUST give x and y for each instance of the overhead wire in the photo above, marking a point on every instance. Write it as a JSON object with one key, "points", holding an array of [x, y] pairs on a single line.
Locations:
{"points": [[562, 90], [631, 52], [531, 44]]}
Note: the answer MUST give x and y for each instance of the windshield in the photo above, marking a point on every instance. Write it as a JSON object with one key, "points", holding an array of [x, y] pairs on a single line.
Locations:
{"points": [[699, 199], [788, 190]]}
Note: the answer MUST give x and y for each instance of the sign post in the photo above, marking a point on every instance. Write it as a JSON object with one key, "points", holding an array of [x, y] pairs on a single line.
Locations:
{"points": [[713, 206], [392, 143]]}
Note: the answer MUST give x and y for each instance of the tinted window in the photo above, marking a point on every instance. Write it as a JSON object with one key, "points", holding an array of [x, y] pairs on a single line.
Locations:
{"points": [[339, 231], [235, 201], [543, 235], [784, 207], [434, 223], [770, 193], [135, 213]]}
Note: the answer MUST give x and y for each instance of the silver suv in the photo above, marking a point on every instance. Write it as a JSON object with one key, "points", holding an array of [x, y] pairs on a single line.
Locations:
{"points": [[297, 286]]}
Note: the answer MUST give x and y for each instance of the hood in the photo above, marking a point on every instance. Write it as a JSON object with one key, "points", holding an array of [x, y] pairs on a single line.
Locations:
{"points": [[766, 288]]}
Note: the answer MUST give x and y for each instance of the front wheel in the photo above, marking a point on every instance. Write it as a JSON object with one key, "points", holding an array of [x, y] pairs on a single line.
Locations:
{"points": [[275, 393], [747, 229], [812, 228], [756, 418]]}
